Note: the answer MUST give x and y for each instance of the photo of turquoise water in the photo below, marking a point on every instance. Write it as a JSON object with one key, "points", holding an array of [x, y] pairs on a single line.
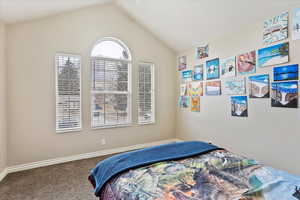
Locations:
{"points": [[273, 55]]}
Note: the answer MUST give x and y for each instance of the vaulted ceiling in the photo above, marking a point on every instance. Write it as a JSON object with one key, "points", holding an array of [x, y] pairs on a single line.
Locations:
{"points": [[19, 10], [179, 23]]}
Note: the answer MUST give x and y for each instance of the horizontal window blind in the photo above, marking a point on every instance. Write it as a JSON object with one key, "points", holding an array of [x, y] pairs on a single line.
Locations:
{"points": [[68, 92], [110, 92], [146, 93]]}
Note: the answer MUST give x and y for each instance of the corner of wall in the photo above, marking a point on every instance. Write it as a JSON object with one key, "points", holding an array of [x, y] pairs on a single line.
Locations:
{"points": [[3, 96]]}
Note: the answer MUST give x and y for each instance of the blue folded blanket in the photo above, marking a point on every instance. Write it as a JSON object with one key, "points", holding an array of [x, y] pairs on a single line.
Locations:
{"points": [[114, 165]]}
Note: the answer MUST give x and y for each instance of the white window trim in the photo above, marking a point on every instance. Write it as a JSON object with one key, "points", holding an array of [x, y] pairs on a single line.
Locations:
{"points": [[66, 130], [129, 92], [113, 39], [152, 94]]}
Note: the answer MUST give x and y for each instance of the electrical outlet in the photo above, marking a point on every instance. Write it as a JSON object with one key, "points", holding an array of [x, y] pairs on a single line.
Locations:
{"points": [[103, 141]]}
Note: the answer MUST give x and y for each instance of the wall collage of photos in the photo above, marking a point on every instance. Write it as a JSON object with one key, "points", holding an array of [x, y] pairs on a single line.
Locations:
{"points": [[225, 76]]}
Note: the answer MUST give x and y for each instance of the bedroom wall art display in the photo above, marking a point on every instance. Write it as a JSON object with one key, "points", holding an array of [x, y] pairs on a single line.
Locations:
{"points": [[213, 69], [285, 94], [234, 86], [187, 75], [239, 106], [198, 73], [259, 86], [228, 66], [276, 28], [213, 88], [182, 63], [202, 51], [296, 24], [286, 73], [195, 104], [184, 102], [246, 63], [273, 55], [195, 88]]}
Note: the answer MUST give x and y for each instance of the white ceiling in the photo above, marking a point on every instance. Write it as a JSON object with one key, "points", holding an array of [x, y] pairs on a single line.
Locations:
{"points": [[179, 23], [19, 10], [186, 23]]}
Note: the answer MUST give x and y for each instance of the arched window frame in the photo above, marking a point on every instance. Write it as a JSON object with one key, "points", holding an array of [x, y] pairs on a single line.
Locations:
{"points": [[129, 82]]}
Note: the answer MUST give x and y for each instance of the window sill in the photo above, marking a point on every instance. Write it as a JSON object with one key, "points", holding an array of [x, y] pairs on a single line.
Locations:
{"points": [[113, 126], [107, 127], [123, 125], [68, 130], [145, 123]]}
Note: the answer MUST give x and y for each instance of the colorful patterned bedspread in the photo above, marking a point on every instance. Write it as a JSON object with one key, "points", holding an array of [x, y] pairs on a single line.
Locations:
{"points": [[218, 175]]}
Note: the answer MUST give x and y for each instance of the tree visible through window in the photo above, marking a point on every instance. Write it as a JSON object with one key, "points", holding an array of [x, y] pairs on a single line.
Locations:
{"points": [[68, 98], [111, 83]]}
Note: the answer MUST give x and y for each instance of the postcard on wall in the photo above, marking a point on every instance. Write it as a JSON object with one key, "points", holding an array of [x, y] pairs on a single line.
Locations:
{"points": [[246, 63], [198, 73], [202, 51], [195, 104], [187, 75], [285, 94], [239, 106], [183, 90], [184, 102], [234, 86], [182, 63], [286, 73], [195, 88], [276, 28], [228, 66], [213, 88], [296, 24], [213, 69], [259, 86], [273, 55]]}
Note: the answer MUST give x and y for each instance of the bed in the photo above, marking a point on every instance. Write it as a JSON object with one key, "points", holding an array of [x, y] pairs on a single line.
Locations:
{"points": [[190, 171]]}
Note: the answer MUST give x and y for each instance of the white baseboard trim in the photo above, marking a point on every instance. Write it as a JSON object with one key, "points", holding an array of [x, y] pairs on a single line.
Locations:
{"points": [[3, 174], [55, 161]]}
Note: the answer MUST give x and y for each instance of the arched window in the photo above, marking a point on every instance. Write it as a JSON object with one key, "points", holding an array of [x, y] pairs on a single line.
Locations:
{"points": [[111, 48], [111, 83]]}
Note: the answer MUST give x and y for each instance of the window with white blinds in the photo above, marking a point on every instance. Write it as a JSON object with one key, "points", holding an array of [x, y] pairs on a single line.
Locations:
{"points": [[68, 92], [146, 98], [111, 84]]}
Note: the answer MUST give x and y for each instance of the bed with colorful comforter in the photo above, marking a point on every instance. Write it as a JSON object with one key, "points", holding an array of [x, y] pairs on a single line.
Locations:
{"points": [[212, 174]]}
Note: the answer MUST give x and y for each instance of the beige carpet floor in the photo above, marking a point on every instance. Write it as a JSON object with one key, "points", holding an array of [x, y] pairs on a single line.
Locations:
{"points": [[68, 181]]}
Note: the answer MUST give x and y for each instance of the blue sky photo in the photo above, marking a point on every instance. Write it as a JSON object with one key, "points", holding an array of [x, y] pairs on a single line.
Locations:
{"points": [[260, 78], [286, 87], [239, 100]]}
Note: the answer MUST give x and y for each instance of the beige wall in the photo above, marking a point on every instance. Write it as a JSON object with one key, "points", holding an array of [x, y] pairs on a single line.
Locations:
{"points": [[2, 98], [31, 83], [270, 135]]}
